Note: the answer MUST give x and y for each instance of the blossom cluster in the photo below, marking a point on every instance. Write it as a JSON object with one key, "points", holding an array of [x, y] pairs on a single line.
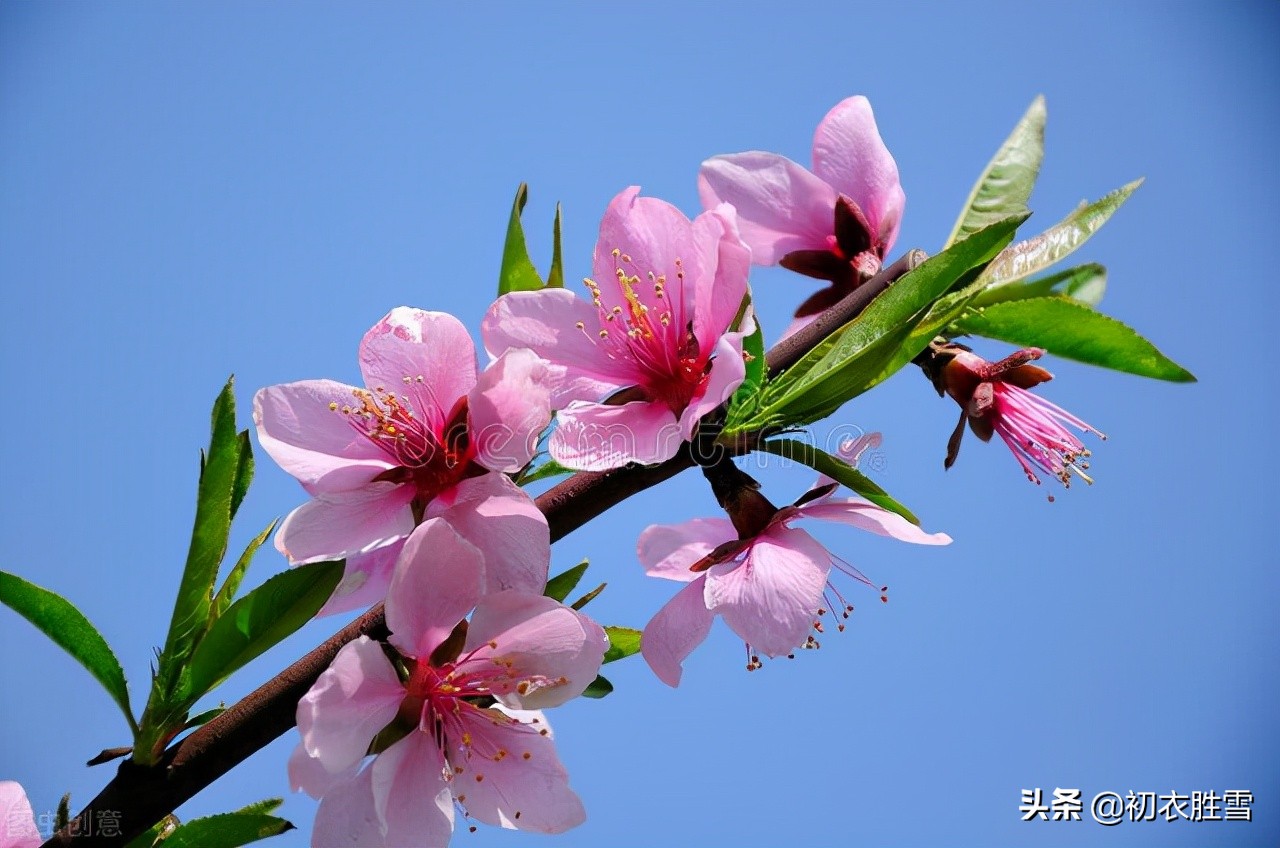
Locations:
{"points": [[414, 477]]}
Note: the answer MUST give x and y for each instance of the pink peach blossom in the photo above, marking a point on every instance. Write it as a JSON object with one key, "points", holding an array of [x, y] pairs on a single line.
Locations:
{"points": [[519, 652], [994, 398], [428, 437], [654, 350], [770, 584], [17, 822], [836, 222]]}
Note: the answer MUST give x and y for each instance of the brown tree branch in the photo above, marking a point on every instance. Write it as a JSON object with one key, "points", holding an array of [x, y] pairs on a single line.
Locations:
{"points": [[139, 796]]}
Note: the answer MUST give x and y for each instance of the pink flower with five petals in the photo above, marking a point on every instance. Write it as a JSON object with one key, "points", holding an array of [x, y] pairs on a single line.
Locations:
{"points": [[463, 706], [767, 579], [427, 437], [654, 349], [836, 222]]}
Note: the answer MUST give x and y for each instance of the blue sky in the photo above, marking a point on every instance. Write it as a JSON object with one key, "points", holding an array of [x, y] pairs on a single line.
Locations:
{"points": [[198, 189]]}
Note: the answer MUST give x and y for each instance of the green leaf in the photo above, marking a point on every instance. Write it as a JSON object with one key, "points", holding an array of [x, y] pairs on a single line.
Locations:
{"points": [[559, 587], [550, 468], [518, 272], [1074, 331], [857, 357], [1005, 186], [588, 598], [227, 830], [263, 807], [839, 470], [57, 618], [232, 584], [1085, 283], [623, 642], [1039, 253], [753, 354], [156, 834], [204, 718], [598, 688], [555, 276], [222, 474], [244, 473], [260, 620]]}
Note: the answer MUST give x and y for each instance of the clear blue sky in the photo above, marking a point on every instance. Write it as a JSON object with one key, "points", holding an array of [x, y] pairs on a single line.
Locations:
{"points": [[194, 189]]}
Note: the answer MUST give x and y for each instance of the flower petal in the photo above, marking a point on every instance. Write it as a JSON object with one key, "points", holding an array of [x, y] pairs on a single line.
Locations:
{"points": [[546, 322], [346, 817], [850, 156], [721, 284], [352, 700], [343, 524], [410, 793], [426, 356], [437, 580], [643, 236], [728, 369], [772, 598], [781, 207], [867, 516], [307, 774], [536, 637], [509, 408], [364, 580], [500, 519], [17, 822], [667, 550], [312, 441], [679, 627], [597, 437], [525, 789]]}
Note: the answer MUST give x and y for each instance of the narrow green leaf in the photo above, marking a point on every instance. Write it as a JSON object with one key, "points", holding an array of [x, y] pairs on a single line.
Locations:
{"points": [[218, 481], [588, 598], [518, 272], [57, 618], [259, 620], [244, 473], [550, 468], [623, 642], [263, 807], [1005, 186], [232, 584], [1039, 253], [1085, 283], [598, 688], [156, 834], [855, 358], [204, 718], [227, 830], [753, 354], [839, 470], [555, 276], [1072, 330], [559, 587]]}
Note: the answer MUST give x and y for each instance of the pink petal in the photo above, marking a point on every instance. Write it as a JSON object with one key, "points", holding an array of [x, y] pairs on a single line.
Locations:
{"points": [[867, 516], [364, 581], [17, 822], [307, 774], [537, 637], [352, 700], [851, 451], [678, 628], [343, 524], [509, 408], [643, 236], [596, 437], [728, 369], [409, 344], [437, 581], [849, 154], [500, 519], [772, 598], [721, 285], [410, 793], [346, 817], [781, 207], [314, 443], [546, 323], [527, 788], [667, 550]]}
